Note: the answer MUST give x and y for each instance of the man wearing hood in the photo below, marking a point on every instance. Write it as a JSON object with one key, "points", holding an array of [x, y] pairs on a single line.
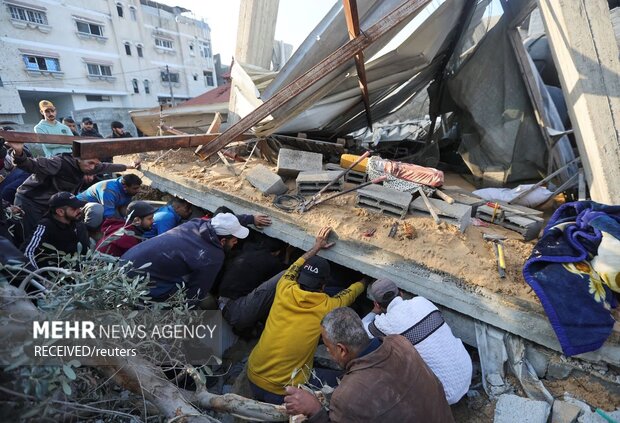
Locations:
{"points": [[191, 254]]}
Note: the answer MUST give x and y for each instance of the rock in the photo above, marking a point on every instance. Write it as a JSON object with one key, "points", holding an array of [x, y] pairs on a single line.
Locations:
{"points": [[564, 412], [512, 408]]}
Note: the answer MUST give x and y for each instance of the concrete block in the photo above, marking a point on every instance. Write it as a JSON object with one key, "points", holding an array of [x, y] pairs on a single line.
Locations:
{"points": [[384, 200], [265, 180], [558, 370], [291, 162], [594, 417], [313, 182], [456, 214], [564, 412], [512, 408], [352, 176], [538, 359]]}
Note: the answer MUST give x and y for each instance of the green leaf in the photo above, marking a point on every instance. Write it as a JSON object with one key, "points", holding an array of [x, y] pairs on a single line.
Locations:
{"points": [[66, 388], [69, 372]]}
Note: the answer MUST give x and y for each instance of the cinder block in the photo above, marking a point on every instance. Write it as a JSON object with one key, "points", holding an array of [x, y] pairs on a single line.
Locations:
{"points": [[291, 162], [352, 176], [563, 412], [456, 214], [384, 200], [313, 182], [512, 408], [265, 180]]}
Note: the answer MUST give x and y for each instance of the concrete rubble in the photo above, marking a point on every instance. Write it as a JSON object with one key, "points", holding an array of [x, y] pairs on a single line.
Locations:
{"points": [[291, 162], [512, 408], [384, 200], [265, 180]]}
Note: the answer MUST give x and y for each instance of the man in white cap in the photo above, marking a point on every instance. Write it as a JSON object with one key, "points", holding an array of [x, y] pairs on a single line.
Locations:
{"points": [[418, 320], [191, 254]]}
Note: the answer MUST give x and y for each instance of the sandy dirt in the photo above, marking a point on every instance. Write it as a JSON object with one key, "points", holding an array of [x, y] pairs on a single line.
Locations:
{"points": [[439, 247]]}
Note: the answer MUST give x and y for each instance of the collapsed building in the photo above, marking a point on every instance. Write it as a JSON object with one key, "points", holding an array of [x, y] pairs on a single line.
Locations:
{"points": [[488, 93]]}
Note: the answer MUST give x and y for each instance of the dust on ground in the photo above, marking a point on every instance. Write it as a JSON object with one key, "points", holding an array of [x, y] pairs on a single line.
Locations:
{"points": [[440, 247]]}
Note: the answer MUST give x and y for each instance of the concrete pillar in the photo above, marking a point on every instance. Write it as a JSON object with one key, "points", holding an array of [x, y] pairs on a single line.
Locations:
{"points": [[256, 32], [585, 52]]}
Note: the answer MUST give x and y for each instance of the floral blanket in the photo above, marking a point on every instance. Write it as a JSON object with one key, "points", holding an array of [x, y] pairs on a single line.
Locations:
{"points": [[575, 270]]}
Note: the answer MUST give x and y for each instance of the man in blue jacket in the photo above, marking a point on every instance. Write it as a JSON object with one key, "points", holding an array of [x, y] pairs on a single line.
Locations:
{"points": [[169, 216], [108, 199], [191, 254]]}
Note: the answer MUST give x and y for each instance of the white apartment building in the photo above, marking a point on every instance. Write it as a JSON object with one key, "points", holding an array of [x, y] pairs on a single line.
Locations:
{"points": [[99, 58]]}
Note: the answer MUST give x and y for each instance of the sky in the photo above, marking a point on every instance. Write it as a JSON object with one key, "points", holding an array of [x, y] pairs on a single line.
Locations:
{"points": [[295, 20]]}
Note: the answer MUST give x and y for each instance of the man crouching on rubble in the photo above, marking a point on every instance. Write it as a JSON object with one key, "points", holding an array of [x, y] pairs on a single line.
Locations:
{"points": [[385, 381], [191, 254]]}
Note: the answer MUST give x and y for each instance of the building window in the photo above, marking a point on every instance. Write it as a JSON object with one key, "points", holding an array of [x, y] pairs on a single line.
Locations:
{"points": [[98, 97], [1, 83], [208, 78], [127, 49], [119, 10], [160, 42], [28, 15], [42, 63], [195, 77], [139, 50], [90, 29], [147, 89], [136, 89], [205, 49], [99, 70], [133, 13], [174, 77]]}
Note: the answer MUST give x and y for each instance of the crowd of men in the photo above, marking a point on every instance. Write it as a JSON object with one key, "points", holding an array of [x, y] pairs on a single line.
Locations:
{"points": [[401, 362]]}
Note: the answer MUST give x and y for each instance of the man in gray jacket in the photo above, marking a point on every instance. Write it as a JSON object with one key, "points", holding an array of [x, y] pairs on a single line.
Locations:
{"points": [[51, 175]]}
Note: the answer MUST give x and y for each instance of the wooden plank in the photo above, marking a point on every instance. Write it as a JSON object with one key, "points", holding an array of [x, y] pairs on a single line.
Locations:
{"points": [[94, 148], [353, 25], [32, 138], [315, 74]]}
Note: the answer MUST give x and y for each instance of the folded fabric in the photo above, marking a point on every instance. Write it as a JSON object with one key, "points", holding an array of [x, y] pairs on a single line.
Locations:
{"points": [[405, 177], [574, 269]]}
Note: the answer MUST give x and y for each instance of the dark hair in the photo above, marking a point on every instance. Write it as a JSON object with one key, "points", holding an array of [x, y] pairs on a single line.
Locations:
{"points": [[222, 209], [67, 119], [116, 124], [131, 180], [180, 202]]}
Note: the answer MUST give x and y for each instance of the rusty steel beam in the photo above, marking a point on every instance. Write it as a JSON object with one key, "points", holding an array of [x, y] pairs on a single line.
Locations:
{"points": [[353, 26], [32, 138], [95, 148], [315, 74]]}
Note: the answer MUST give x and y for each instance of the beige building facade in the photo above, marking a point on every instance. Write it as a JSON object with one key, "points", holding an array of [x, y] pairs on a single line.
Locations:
{"points": [[99, 58]]}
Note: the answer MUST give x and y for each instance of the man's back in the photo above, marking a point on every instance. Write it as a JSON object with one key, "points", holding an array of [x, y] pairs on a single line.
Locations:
{"points": [[189, 253], [441, 350], [292, 332], [390, 384]]}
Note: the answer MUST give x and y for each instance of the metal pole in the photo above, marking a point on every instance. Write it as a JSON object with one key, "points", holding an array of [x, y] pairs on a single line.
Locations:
{"points": [[170, 85]]}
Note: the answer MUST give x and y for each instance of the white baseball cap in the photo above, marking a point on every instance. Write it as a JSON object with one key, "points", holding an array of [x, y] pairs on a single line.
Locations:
{"points": [[228, 224]]}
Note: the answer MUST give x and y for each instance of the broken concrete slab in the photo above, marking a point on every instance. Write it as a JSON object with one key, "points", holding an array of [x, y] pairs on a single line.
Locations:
{"points": [[265, 180], [558, 369], [538, 359], [512, 408], [594, 417], [384, 200], [456, 214], [313, 182], [564, 412], [291, 162]]}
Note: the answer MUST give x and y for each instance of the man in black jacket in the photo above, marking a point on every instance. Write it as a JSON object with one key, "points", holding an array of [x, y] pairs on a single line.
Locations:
{"points": [[61, 228], [118, 130], [51, 175], [88, 129]]}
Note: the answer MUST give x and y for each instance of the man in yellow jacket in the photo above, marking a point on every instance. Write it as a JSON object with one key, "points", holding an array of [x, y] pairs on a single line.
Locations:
{"points": [[285, 351]]}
